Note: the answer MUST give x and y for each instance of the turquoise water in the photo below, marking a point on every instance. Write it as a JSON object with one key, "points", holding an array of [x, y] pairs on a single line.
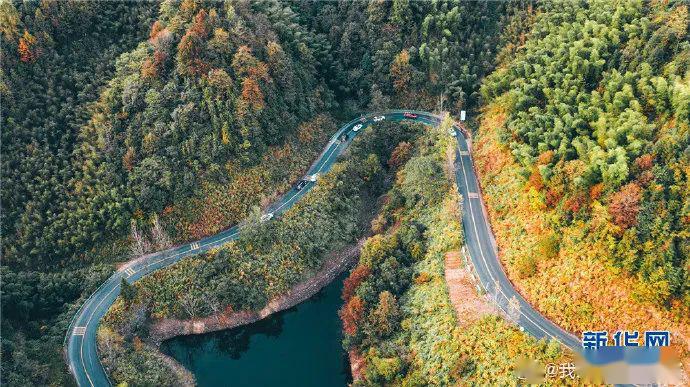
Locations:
{"points": [[297, 347]]}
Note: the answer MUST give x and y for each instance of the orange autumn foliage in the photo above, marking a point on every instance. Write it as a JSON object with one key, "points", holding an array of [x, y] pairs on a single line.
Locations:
{"points": [[625, 205], [200, 26], [155, 29], [148, 69], [400, 154], [191, 47], [351, 314], [577, 288], [401, 71], [243, 61], [553, 197], [596, 191], [358, 275], [575, 202], [138, 344], [253, 71], [252, 94], [545, 158], [645, 162], [535, 179], [27, 50], [152, 67]]}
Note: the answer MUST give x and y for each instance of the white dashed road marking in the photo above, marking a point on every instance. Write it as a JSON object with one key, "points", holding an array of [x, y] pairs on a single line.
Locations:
{"points": [[325, 159]]}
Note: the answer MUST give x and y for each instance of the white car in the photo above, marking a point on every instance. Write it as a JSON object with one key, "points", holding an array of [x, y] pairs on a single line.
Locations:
{"points": [[379, 118], [266, 217], [357, 127], [452, 132], [313, 177]]}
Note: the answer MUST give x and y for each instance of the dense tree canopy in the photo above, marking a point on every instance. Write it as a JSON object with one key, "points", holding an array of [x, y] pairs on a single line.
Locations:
{"points": [[598, 103], [129, 127]]}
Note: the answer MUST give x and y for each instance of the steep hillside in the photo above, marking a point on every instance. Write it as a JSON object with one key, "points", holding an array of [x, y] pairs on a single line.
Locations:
{"points": [[56, 56], [408, 53], [124, 133], [398, 317], [584, 152]]}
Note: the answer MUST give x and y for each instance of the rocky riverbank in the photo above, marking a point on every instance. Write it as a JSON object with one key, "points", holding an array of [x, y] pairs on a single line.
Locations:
{"points": [[335, 264]]}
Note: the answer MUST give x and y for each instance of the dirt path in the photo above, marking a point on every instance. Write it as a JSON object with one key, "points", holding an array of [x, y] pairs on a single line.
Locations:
{"points": [[469, 306]]}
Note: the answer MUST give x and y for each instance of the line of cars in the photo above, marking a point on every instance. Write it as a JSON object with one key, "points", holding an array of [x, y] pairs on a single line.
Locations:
{"points": [[363, 119], [343, 137], [300, 186]]}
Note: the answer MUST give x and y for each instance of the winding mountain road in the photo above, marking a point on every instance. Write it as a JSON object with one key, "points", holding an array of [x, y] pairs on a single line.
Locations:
{"points": [[81, 351]]}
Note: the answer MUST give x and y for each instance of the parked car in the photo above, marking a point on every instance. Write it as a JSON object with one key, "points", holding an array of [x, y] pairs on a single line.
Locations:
{"points": [[357, 127], [409, 115], [302, 183], [379, 118]]}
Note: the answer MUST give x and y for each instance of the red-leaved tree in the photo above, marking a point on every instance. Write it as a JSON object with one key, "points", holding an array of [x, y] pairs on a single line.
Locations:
{"points": [[351, 314], [358, 275], [625, 205]]}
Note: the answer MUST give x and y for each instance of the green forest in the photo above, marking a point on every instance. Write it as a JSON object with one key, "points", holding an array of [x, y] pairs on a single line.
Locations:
{"points": [[397, 313], [264, 263], [597, 106], [132, 127]]}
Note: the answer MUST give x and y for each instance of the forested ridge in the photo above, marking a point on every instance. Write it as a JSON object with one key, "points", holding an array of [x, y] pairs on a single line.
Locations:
{"points": [[397, 315], [583, 152], [598, 114], [55, 58], [198, 93], [384, 53], [130, 127], [208, 89], [263, 264], [127, 129]]}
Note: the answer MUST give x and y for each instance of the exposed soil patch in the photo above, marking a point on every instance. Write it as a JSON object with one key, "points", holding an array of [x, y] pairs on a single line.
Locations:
{"points": [[468, 305], [357, 365]]}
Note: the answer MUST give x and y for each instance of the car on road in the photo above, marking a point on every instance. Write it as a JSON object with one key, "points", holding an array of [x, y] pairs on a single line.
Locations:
{"points": [[343, 137], [409, 115], [302, 183], [357, 127], [452, 132], [267, 216], [379, 118], [313, 177]]}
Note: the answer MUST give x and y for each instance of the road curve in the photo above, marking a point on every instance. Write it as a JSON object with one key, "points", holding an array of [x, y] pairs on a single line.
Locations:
{"points": [[80, 341]]}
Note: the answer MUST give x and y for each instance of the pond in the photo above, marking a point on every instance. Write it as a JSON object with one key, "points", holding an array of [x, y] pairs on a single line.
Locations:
{"points": [[297, 347]]}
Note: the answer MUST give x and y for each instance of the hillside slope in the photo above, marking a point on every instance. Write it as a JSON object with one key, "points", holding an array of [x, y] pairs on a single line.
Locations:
{"points": [[584, 153]]}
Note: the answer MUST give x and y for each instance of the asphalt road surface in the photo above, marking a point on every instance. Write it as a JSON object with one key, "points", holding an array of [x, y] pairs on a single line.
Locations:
{"points": [[81, 352]]}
